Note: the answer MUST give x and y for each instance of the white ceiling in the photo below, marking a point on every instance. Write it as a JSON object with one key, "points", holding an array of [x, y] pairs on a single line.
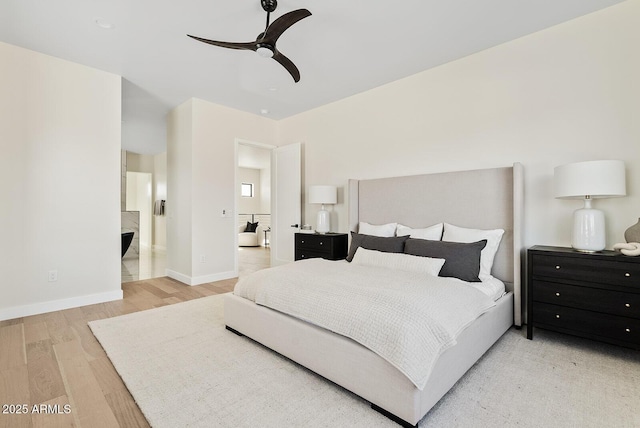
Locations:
{"points": [[344, 48]]}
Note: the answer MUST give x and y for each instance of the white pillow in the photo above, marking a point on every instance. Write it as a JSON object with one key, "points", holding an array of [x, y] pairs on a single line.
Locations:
{"points": [[384, 230], [433, 233], [461, 234], [398, 261]]}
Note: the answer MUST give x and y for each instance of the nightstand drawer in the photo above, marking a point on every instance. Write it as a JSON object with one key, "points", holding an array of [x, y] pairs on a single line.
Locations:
{"points": [[313, 242], [590, 324], [587, 269], [309, 254], [593, 299]]}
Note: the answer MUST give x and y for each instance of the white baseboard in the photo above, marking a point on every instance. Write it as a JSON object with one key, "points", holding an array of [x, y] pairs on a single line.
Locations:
{"points": [[58, 305], [197, 280]]}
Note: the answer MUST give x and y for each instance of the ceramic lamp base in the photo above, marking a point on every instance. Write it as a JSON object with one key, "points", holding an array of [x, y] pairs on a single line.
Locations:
{"points": [[323, 222], [588, 229]]}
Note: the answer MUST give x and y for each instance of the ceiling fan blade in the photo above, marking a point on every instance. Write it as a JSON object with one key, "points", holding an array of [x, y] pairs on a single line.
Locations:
{"points": [[252, 46], [290, 66], [279, 26]]}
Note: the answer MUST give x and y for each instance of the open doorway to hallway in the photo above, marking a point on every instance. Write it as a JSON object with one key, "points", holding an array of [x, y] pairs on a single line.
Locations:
{"points": [[253, 206], [144, 196]]}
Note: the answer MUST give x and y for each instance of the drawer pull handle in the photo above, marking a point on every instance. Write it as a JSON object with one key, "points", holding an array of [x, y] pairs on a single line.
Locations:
{"points": [[628, 330], [302, 256], [557, 316], [302, 241], [558, 294], [557, 266], [321, 242], [627, 305], [627, 274]]}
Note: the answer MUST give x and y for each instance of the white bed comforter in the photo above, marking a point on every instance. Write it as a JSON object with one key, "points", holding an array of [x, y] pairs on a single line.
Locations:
{"points": [[408, 319]]}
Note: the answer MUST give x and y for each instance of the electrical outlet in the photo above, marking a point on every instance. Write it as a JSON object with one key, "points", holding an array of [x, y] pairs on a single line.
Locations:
{"points": [[53, 275], [203, 259]]}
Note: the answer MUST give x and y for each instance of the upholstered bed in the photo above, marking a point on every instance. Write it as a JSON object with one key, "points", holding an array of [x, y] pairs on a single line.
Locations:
{"points": [[480, 199]]}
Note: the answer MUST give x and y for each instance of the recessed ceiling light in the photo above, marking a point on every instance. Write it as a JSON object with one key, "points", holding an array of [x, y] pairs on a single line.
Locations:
{"points": [[264, 111], [104, 24]]}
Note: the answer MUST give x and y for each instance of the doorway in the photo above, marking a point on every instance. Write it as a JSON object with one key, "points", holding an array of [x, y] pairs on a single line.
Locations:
{"points": [[252, 206]]}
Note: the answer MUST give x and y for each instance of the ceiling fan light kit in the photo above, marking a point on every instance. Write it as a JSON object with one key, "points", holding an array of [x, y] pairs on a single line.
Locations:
{"points": [[265, 43], [265, 51]]}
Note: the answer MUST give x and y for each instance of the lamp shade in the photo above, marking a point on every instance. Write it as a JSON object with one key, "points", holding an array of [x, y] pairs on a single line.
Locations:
{"points": [[323, 194], [597, 179]]}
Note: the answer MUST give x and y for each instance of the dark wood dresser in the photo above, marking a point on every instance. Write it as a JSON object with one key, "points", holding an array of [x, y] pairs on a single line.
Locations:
{"points": [[331, 246], [593, 295]]}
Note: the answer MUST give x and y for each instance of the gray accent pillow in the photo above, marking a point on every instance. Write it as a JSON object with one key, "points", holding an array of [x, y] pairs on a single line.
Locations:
{"points": [[392, 244], [462, 260]]}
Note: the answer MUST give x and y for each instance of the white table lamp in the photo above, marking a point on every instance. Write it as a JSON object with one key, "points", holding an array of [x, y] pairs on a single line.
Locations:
{"points": [[589, 180], [323, 195]]}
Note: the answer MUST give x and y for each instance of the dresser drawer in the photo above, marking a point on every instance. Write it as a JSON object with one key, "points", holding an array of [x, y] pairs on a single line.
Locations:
{"points": [[593, 299], [587, 269], [590, 324]]}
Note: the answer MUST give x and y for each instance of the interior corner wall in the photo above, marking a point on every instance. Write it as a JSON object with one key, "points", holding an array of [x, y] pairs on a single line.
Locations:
{"points": [[201, 174], [179, 192], [59, 183], [565, 94]]}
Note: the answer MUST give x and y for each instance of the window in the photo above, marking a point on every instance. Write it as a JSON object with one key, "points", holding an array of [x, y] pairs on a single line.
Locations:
{"points": [[246, 190]]}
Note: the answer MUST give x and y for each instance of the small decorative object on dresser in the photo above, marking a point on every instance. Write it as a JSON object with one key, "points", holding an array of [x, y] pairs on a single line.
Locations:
{"points": [[596, 296], [629, 248], [330, 246], [632, 234]]}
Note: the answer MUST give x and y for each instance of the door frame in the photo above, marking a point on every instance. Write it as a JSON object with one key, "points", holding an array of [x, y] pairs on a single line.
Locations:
{"points": [[236, 184]]}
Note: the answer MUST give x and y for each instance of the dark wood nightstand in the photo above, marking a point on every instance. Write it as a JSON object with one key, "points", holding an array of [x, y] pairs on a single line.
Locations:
{"points": [[592, 295], [331, 246]]}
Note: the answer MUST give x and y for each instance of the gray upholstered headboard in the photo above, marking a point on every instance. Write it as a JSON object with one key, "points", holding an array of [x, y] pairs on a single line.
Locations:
{"points": [[479, 199]]}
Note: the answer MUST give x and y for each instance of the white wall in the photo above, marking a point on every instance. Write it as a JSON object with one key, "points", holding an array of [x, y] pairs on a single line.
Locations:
{"points": [[265, 191], [156, 165], [249, 205], [160, 192], [139, 193], [59, 183], [565, 94], [201, 173]]}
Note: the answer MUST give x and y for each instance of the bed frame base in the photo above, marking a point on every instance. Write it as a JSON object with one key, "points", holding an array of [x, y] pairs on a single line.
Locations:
{"points": [[359, 370], [234, 331], [393, 417]]}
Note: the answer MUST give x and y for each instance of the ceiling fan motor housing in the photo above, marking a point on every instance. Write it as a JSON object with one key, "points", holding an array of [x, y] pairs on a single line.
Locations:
{"points": [[269, 5]]}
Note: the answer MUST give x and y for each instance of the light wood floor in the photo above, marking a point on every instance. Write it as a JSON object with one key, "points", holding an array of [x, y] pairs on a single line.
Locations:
{"points": [[55, 359]]}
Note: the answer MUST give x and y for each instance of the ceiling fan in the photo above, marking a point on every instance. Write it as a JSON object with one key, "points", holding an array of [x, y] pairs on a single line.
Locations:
{"points": [[265, 44]]}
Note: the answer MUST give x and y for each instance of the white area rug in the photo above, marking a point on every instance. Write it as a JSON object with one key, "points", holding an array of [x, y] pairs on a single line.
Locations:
{"points": [[185, 370]]}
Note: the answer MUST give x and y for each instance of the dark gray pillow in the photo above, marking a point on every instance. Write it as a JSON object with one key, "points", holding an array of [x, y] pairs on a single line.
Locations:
{"points": [[251, 227], [462, 260], [393, 244]]}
